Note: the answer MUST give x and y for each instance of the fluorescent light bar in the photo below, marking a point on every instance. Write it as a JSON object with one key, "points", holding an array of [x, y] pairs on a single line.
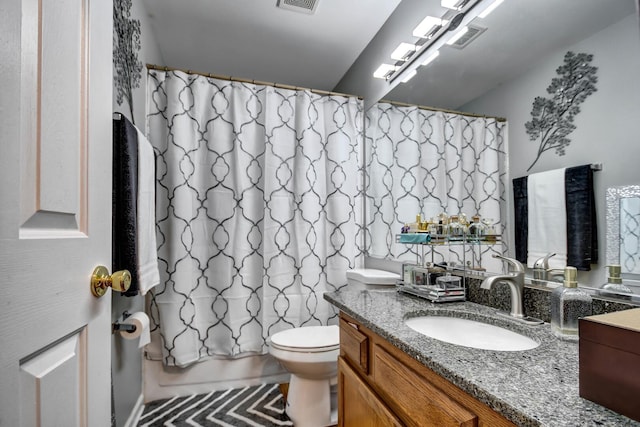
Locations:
{"points": [[454, 38], [490, 9], [430, 58], [427, 25], [452, 4], [384, 71], [409, 76], [403, 51]]}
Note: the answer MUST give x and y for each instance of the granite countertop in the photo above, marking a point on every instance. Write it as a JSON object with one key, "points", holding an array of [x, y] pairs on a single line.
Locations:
{"points": [[537, 387]]}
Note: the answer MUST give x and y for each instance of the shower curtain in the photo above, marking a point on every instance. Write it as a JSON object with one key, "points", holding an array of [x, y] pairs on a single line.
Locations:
{"points": [[259, 210], [428, 162]]}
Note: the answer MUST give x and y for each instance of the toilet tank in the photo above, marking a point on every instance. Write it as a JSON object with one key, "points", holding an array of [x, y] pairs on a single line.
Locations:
{"points": [[369, 278]]}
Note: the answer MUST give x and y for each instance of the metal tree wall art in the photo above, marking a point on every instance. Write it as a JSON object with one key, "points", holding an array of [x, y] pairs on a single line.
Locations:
{"points": [[126, 44], [553, 117]]}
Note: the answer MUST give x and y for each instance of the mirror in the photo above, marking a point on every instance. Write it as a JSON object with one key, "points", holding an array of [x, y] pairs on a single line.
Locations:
{"points": [[513, 60], [507, 44], [623, 228]]}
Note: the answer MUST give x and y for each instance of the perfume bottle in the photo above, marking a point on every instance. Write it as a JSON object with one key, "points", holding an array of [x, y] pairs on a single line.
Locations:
{"points": [[476, 228], [568, 304]]}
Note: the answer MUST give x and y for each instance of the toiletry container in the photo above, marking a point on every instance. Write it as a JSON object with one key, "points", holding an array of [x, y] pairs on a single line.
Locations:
{"points": [[609, 361], [568, 304], [476, 228], [614, 281], [456, 229], [435, 272], [448, 282]]}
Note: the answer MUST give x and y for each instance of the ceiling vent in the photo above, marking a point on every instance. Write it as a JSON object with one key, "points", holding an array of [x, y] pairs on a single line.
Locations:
{"points": [[304, 6], [472, 33]]}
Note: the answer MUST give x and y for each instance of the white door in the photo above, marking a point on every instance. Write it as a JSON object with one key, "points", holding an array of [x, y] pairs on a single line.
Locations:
{"points": [[55, 211]]}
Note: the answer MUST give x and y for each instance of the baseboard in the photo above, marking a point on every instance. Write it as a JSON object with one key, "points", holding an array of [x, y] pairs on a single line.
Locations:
{"points": [[134, 416], [161, 382]]}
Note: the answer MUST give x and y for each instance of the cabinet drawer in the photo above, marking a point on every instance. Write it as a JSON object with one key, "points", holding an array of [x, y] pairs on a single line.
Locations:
{"points": [[415, 400], [354, 345]]}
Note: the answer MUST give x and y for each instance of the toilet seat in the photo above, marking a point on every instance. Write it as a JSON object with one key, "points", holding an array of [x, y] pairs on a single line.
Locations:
{"points": [[310, 354], [308, 339]]}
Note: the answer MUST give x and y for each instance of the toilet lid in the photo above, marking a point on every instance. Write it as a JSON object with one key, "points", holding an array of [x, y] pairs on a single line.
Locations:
{"points": [[372, 276], [308, 338]]}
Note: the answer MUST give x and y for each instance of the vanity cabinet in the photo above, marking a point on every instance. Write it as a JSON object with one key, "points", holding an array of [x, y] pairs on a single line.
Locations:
{"points": [[358, 405], [380, 385]]}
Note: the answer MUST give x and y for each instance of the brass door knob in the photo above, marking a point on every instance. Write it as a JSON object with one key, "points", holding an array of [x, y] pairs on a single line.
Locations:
{"points": [[101, 280]]}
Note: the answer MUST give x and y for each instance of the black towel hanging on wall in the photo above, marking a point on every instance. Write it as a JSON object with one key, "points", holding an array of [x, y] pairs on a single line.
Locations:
{"points": [[521, 218], [582, 227], [124, 200]]}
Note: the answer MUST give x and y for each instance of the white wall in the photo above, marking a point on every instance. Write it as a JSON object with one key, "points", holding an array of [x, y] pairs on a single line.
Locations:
{"points": [[126, 356], [149, 54], [607, 128]]}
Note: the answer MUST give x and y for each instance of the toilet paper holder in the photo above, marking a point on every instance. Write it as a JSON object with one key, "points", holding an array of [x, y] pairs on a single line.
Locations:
{"points": [[117, 326]]}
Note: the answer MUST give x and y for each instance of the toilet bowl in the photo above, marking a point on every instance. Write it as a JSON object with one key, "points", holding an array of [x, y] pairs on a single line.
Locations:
{"points": [[310, 355]]}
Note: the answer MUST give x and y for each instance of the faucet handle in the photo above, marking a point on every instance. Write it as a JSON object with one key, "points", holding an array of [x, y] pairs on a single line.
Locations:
{"points": [[543, 262], [516, 266]]}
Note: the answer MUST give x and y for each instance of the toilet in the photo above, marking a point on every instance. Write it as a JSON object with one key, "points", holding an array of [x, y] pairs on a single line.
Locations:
{"points": [[310, 354], [361, 279]]}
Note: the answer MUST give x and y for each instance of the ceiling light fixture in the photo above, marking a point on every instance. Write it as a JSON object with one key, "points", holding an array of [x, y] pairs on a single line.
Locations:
{"points": [[384, 71], [409, 76], [430, 58], [425, 29], [490, 9], [456, 36], [433, 33], [403, 51], [453, 4]]}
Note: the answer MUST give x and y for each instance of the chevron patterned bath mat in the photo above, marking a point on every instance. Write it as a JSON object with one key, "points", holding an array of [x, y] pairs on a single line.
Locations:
{"points": [[256, 406]]}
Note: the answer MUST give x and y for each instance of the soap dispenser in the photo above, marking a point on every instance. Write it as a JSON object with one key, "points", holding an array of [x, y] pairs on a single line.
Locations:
{"points": [[614, 281], [568, 303]]}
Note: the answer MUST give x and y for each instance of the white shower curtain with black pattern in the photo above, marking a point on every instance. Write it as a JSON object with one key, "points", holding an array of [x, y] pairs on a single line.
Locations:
{"points": [[427, 162], [259, 211]]}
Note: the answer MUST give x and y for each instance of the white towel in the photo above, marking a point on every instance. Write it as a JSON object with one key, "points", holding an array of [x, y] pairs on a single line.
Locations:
{"points": [[547, 218], [148, 273]]}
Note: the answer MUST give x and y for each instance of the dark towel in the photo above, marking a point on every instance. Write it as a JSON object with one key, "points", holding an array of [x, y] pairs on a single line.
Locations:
{"points": [[124, 200], [521, 215], [582, 229]]}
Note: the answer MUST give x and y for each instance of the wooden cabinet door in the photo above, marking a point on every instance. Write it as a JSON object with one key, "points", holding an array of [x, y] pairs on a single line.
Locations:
{"points": [[358, 404], [416, 401]]}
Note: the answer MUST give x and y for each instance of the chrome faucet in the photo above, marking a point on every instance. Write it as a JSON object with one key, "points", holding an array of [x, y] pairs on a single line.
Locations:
{"points": [[515, 279], [542, 273], [540, 268]]}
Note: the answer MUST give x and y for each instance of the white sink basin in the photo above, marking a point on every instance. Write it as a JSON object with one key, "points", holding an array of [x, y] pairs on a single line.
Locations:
{"points": [[470, 333]]}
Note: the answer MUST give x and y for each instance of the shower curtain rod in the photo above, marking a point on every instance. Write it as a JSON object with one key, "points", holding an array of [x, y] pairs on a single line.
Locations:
{"points": [[257, 82], [424, 107]]}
